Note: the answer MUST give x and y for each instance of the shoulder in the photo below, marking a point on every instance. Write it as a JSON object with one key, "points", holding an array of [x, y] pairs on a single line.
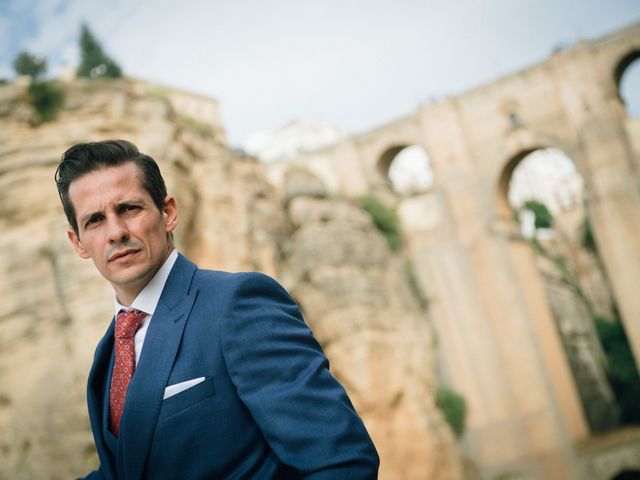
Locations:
{"points": [[219, 285], [234, 279], [231, 284]]}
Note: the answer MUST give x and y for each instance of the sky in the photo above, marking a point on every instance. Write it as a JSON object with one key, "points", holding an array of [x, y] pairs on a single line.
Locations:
{"points": [[355, 64]]}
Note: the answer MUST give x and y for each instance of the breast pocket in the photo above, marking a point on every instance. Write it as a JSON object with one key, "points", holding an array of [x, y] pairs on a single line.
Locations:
{"points": [[187, 398]]}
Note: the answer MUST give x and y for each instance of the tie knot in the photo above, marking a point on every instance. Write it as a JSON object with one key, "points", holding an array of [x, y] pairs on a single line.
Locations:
{"points": [[128, 322]]}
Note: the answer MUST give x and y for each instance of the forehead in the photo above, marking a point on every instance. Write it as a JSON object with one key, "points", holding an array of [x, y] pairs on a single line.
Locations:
{"points": [[106, 185]]}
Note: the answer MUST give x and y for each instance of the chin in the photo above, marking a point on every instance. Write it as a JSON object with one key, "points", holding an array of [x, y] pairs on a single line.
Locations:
{"points": [[131, 276]]}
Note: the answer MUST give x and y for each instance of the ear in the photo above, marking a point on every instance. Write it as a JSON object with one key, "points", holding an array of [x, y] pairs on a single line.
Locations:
{"points": [[77, 245], [170, 213]]}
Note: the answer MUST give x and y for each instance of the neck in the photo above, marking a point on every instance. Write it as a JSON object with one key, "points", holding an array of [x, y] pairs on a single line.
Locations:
{"points": [[128, 293]]}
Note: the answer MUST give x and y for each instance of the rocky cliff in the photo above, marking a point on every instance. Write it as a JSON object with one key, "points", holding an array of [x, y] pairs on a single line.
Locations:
{"points": [[356, 297], [55, 307]]}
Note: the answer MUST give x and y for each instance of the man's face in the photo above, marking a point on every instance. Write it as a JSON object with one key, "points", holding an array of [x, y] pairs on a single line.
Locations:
{"points": [[120, 228]]}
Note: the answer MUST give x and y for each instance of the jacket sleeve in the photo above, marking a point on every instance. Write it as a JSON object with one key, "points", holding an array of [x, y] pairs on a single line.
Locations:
{"points": [[283, 377]]}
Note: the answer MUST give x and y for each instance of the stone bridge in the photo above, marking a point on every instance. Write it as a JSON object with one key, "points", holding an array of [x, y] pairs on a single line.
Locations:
{"points": [[499, 342]]}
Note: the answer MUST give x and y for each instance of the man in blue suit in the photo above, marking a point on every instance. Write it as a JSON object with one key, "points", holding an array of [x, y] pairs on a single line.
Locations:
{"points": [[202, 374]]}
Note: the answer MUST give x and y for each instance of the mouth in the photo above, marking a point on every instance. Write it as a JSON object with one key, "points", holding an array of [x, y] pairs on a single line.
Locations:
{"points": [[123, 256]]}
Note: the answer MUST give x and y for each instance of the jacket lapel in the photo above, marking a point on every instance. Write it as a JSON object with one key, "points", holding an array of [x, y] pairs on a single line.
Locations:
{"points": [[96, 385], [144, 397]]}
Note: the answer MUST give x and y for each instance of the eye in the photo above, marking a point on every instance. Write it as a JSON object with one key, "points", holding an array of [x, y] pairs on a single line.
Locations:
{"points": [[129, 208], [94, 219]]}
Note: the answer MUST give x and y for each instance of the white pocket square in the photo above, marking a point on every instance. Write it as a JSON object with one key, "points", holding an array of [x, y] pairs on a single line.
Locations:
{"points": [[172, 390]]}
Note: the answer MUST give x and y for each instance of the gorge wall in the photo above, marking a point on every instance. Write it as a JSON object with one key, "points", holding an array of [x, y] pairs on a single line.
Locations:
{"points": [[55, 307]]}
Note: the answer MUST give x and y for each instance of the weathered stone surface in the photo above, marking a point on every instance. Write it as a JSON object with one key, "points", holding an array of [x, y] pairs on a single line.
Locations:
{"points": [[356, 297], [301, 182], [566, 269], [499, 339], [55, 306]]}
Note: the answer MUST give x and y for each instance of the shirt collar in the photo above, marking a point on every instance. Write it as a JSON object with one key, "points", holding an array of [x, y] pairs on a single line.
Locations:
{"points": [[148, 298]]}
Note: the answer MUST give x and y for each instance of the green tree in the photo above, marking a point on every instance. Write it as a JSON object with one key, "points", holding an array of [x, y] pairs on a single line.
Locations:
{"points": [[454, 408], [544, 219], [27, 64], [385, 219], [621, 369], [93, 61], [588, 240], [46, 98]]}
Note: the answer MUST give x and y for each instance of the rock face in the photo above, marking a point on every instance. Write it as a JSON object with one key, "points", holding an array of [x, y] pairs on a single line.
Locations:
{"points": [[579, 337], [55, 307], [357, 299]]}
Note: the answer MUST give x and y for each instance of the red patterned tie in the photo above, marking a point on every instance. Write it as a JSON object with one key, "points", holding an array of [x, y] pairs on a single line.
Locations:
{"points": [[124, 364]]}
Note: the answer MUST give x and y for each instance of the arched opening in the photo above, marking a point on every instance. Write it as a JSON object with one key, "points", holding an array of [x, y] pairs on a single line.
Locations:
{"points": [[545, 182], [546, 195], [627, 78], [407, 169]]}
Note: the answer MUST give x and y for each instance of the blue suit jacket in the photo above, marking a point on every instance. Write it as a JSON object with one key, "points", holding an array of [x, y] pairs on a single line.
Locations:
{"points": [[268, 408]]}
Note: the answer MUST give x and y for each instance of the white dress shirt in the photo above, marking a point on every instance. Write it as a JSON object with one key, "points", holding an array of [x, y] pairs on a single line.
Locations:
{"points": [[147, 300]]}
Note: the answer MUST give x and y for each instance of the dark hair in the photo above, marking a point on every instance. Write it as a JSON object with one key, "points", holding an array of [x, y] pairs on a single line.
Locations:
{"points": [[85, 158]]}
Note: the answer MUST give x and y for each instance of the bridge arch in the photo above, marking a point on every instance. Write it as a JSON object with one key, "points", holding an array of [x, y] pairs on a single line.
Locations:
{"points": [[506, 173], [517, 155], [626, 76], [468, 248], [537, 172], [546, 196], [406, 168]]}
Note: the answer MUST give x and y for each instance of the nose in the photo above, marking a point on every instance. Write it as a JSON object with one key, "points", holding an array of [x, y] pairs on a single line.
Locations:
{"points": [[117, 230]]}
